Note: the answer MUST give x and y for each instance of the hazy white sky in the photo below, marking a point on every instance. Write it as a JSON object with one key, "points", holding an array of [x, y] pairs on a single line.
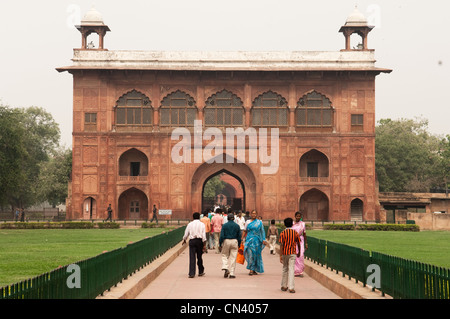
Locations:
{"points": [[411, 37]]}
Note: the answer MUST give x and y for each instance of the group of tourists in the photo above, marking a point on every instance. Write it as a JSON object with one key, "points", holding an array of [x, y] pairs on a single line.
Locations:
{"points": [[244, 236]]}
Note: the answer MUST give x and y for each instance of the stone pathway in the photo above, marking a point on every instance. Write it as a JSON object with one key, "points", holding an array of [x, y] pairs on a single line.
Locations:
{"points": [[173, 282]]}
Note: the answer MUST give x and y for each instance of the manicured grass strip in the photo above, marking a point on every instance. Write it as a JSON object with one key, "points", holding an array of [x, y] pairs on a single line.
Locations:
{"points": [[28, 253], [430, 247]]}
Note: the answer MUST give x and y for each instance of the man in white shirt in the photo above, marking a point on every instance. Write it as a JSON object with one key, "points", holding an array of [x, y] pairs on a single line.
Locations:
{"points": [[240, 220], [196, 233], [225, 217]]}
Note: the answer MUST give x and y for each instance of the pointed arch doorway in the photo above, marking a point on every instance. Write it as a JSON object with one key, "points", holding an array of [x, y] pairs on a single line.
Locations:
{"points": [[133, 204], [356, 210], [230, 166], [224, 189], [315, 205], [89, 208]]}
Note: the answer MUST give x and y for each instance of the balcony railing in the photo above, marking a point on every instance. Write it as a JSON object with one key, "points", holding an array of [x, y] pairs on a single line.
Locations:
{"points": [[133, 178], [315, 179]]}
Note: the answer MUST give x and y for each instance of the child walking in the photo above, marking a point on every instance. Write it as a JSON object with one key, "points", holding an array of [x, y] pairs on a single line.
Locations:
{"points": [[272, 235], [289, 241]]}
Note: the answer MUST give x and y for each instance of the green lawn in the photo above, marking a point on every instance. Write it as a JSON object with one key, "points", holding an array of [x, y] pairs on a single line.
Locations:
{"points": [[430, 247], [27, 253]]}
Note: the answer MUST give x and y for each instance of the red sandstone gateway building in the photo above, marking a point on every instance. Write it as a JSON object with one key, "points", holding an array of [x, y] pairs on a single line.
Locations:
{"points": [[127, 104]]}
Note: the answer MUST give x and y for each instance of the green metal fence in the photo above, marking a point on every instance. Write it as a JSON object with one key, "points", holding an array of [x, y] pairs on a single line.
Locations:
{"points": [[398, 277], [97, 274], [404, 278]]}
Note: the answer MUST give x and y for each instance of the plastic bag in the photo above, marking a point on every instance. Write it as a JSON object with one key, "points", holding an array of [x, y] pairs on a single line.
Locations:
{"points": [[240, 256]]}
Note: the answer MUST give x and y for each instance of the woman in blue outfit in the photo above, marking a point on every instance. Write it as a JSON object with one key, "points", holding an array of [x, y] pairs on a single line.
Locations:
{"points": [[255, 239]]}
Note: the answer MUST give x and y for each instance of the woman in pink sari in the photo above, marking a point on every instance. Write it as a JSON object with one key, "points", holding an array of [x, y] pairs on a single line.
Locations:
{"points": [[300, 227]]}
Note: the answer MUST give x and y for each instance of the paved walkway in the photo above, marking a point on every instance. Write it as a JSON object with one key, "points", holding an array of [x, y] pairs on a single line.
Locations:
{"points": [[173, 282]]}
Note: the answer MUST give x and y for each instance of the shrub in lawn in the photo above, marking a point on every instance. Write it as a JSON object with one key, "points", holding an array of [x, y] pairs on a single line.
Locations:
{"points": [[339, 227], [77, 225], [389, 227], [48, 225], [151, 225], [156, 225], [33, 225], [110, 225]]}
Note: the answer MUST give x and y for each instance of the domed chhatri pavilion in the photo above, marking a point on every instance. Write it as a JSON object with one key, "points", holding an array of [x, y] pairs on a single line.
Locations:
{"points": [[128, 104]]}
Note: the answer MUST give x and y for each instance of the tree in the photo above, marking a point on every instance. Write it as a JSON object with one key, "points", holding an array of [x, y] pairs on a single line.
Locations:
{"points": [[27, 138], [41, 140], [444, 163], [406, 156], [213, 187], [13, 155], [54, 176]]}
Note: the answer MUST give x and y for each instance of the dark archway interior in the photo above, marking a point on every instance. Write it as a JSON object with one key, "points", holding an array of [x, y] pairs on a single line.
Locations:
{"points": [[356, 210], [231, 193]]}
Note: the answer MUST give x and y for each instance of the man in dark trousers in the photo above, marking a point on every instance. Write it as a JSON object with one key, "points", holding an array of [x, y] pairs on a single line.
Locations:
{"points": [[196, 233], [155, 214], [109, 210]]}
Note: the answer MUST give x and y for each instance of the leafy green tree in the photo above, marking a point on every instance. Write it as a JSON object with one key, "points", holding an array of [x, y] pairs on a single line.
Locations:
{"points": [[27, 138], [41, 140], [54, 176], [406, 156], [213, 187], [444, 163], [13, 155]]}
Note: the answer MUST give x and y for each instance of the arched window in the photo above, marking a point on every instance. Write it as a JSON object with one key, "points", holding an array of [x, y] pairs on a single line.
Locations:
{"points": [[314, 167], [134, 108], [178, 109], [314, 110], [133, 163], [224, 109], [270, 109]]}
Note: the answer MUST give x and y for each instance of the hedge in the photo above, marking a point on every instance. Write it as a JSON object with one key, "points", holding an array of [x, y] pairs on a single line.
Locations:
{"points": [[57, 225], [373, 227], [110, 225], [389, 227], [339, 227]]}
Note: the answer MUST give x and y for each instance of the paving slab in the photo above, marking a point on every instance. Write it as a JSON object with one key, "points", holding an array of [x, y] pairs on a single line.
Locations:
{"points": [[166, 278], [173, 282]]}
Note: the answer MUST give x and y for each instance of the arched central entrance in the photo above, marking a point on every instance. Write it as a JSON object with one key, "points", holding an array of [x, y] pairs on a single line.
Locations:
{"points": [[229, 166], [225, 190]]}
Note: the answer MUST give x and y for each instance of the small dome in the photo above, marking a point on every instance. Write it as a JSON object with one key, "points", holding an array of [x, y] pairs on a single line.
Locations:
{"points": [[356, 18], [92, 17]]}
